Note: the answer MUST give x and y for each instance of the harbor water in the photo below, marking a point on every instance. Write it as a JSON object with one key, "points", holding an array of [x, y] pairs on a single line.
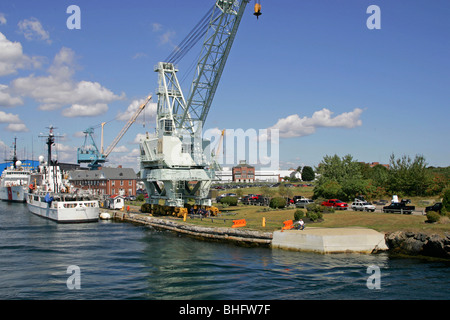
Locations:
{"points": [[40, 259]]}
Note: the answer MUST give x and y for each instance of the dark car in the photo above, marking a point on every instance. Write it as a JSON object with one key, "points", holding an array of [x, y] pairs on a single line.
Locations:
{"points": [[437, 207]]}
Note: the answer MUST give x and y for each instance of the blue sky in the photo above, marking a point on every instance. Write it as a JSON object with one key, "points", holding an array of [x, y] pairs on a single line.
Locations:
{"points": [[311, 69]]}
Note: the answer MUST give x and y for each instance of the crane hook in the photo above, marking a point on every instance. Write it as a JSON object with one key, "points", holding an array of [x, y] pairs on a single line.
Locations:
{"points": [[257, 12]]}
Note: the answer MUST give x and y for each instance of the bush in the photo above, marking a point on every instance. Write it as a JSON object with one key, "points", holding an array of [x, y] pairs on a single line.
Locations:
{"points": [[277, 203], [314, 215], [231, 201], [316, 207], [140, 197], [298, 214], [433, 216]]}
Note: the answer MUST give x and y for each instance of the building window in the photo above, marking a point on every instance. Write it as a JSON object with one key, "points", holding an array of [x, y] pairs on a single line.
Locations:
{"points": [[113, 182], [121, 182]]}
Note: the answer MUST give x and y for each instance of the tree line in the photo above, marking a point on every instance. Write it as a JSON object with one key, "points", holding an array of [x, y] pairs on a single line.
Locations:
{"points": [[345, 178]]}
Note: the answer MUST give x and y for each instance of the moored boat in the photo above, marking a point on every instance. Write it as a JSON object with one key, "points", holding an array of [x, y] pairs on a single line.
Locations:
{"points": [[50, 197], [14, 181]]}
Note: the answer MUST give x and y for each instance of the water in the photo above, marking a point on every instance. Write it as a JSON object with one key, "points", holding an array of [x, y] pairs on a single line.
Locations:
{"points": [[126, 261]]}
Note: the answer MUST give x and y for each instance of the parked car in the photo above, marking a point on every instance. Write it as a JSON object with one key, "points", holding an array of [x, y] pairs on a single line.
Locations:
{"points": [[302, 203], [437, 207], [335, 203], [362, 206], [399, 207]]}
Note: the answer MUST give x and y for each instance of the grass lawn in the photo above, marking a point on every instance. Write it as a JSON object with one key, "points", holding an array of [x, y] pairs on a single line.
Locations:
{"points": [[383, 222]]}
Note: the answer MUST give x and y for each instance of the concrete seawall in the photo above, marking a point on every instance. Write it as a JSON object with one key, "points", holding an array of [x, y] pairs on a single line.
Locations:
{"points": [[320, 240], [330, 240], [239, 236]]}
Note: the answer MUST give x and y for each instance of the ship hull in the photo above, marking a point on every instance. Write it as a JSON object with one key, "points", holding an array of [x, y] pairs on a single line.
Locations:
{"points": [[12, 194], [64, 211]]}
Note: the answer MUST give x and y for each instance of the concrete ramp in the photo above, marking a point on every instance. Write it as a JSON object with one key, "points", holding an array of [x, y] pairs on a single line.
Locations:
{"points": [[330, 240]]}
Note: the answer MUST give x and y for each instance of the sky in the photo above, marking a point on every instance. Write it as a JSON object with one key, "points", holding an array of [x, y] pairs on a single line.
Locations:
{"points": [[318, 71]]}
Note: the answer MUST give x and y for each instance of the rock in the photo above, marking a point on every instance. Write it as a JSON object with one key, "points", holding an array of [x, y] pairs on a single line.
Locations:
{"points": [[411, 243]]}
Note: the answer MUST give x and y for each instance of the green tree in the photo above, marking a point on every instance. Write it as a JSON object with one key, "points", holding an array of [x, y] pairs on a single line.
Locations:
{"points": [[308, 174], [407, 176], [339, 178], [335, 168]]}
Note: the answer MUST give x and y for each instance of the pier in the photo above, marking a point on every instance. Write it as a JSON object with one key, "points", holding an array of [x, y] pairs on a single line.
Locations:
{"points": [[320, 240]]}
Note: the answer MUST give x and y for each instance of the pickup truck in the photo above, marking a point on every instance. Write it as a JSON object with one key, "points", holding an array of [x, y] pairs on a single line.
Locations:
{"points": [[363, 206], [335, 203], [399, 207], [435, 207]]}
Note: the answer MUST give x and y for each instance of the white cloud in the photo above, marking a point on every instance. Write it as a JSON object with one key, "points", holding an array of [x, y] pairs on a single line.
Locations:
{"points": [[6, 100], [32, 30], [165, 36], [14, 122], [120, 149], [149, 111], [65, 153], [294, 126], [77, 110], [58, 89], [17, 127], [13, 58], [9, 118], [129, 160], [2, 18]]}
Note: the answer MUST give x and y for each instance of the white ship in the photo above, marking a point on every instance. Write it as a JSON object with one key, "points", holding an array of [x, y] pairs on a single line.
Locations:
{"points": [[14, 181], [50, 197]]}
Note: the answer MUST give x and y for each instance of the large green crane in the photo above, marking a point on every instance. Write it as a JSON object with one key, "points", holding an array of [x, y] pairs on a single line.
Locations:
{"points": [[174, 161]]}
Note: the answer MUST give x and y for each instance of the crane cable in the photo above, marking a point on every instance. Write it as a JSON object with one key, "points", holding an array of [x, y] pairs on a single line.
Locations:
{"points": [[192, 38]]}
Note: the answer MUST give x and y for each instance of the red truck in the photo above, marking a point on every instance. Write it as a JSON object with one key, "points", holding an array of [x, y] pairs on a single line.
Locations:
{"points": [[335, 203]]}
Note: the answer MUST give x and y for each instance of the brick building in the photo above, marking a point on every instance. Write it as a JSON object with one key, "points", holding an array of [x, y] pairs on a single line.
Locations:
{"points": [[111, 181], [243, 172]]}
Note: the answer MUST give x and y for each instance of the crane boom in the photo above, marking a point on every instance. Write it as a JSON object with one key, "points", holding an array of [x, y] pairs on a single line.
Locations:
{"points": [[223, 26], [126, 127]]}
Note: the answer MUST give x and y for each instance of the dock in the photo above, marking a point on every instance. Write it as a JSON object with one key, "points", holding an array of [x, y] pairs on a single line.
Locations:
{"points": [[319, 240]]}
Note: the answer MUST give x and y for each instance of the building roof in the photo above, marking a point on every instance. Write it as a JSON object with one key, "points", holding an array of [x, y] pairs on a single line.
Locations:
{"points": [[105, 173]]}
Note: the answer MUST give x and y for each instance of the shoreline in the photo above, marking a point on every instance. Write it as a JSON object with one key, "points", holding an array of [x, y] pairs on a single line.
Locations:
{"points": [[399, 242]]}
